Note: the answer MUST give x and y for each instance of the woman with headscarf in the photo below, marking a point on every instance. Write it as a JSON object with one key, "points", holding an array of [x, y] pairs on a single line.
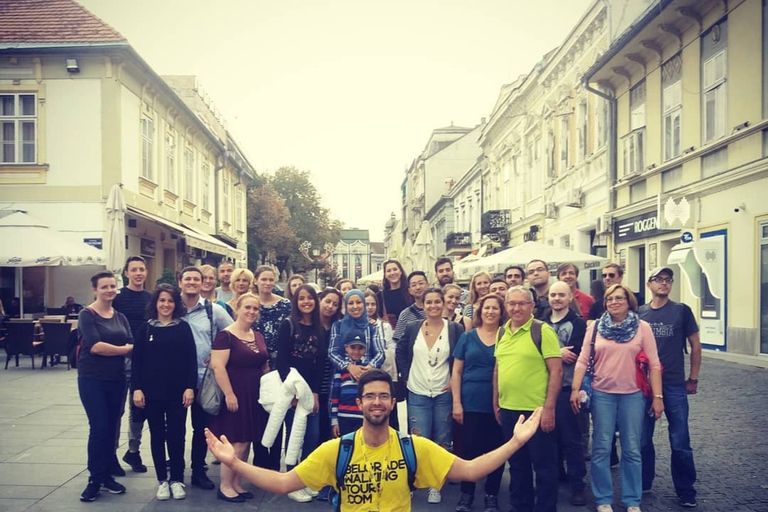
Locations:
{"points": [[355, 319]]}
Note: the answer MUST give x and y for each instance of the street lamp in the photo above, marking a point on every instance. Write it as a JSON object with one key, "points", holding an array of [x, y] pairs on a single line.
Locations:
{"points": [[317, 258]]}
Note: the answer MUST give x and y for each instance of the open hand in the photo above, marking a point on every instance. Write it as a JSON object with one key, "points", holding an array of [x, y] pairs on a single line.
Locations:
{"points": [[220, 448], [524, 429]]}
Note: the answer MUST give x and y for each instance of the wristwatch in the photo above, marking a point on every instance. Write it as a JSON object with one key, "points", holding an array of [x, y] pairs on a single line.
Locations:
{"points": [[693, 381]]}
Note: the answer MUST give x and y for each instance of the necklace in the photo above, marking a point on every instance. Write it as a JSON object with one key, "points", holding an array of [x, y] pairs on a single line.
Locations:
{"points": [[369, 468]]}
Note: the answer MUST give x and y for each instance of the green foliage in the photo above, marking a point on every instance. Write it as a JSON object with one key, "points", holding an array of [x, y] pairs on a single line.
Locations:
{"points": [[167, 278]]}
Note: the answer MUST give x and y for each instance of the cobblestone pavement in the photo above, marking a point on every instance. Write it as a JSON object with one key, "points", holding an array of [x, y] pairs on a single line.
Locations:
{"points": [[44, 432]]}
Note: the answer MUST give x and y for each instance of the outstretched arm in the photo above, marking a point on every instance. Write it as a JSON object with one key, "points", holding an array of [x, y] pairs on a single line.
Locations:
{"points": [[270, 481], [475, 469]]}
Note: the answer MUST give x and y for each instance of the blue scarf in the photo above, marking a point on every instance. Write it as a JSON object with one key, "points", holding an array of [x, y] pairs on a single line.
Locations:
{"points": [[348, 324], [620, 333]]}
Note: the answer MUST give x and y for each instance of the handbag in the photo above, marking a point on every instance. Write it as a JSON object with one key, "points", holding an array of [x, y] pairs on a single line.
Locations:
{"points": [[643, 373], [585, 391], [210, 395]]}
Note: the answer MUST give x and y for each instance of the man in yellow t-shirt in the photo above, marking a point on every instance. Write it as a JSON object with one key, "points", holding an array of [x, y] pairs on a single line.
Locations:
{"points": [[377, 477], [526, 379]]}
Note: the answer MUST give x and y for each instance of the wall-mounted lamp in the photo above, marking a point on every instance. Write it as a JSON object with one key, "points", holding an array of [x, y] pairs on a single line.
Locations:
{"points": [[72, 66], [740, 127]]}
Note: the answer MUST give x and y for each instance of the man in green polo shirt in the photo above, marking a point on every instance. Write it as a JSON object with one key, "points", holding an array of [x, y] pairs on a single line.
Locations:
{"points": [[528, 375]]}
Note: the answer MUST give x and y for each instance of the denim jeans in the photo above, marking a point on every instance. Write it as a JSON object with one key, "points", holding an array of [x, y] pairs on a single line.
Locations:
{"points": [[101, 401], [539, 453], [683, 467], [609, 411], [311, 435], [431, 417], [569, 440]]}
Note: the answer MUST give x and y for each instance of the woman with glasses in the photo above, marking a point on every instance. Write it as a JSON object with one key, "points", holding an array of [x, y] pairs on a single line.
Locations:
{"points": [[472, 389], [617, 401], [424, 360]]}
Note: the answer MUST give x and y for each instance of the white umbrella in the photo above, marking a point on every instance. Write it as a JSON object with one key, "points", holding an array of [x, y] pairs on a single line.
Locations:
{"points": [[425, 251], [374, 278], [34, 244], [116, 230], [408, 253], [522, 254]]}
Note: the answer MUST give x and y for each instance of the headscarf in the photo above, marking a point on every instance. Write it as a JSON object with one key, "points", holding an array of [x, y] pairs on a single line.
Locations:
{"points": [[620, 333], [347, 323]]}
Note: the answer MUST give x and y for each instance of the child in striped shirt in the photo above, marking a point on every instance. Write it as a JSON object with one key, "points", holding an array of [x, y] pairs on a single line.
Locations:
{"points": [[346, 416]]}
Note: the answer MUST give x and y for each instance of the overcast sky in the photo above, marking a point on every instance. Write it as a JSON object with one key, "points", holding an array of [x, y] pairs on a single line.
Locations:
{"points": [[347, 89]]}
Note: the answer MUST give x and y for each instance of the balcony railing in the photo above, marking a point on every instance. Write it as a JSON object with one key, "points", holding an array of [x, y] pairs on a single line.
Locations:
{"points": [[458, 240], [494, 221]]}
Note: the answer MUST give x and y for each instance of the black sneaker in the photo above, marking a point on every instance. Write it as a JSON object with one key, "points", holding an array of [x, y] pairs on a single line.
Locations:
{"points": [[491, 503], [111, 485], [465, 503], [90, 492], [133, 459], [688, 501], [201, 481]]}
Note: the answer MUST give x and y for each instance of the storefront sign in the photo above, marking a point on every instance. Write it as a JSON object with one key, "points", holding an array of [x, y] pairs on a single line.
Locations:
{"points": [[147, 247], [635, 228], [93, 242]]}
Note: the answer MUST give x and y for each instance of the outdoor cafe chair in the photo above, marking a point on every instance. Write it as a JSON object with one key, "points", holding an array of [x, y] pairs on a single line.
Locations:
{"points": [[20, 341], [56, 335]]}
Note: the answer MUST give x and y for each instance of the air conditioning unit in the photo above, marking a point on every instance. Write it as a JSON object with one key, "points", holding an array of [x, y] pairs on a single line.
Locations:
{"points": [[575, 198], [603, 224], [550, 210]]}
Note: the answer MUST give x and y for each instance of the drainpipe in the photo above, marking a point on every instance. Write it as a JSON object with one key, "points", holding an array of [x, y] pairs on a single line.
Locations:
{"points": [[220, 164]]}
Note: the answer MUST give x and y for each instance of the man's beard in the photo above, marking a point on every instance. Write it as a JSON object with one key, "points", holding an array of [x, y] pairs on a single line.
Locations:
{"points": [[376, 422]]}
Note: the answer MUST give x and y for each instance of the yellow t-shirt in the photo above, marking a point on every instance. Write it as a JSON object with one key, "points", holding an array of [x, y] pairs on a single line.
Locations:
{"points": [[523, 373], [370, 467]]}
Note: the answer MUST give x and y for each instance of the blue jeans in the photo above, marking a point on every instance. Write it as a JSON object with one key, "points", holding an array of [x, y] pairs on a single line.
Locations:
{"points": [[101, 400], [683, 467], [626, 412], [539, 453], [431, 417], [311, 435], [569, 440]]}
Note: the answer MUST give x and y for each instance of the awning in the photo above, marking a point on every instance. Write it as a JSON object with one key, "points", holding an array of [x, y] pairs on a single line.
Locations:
{"points": [[701, 257], [193, 237]]}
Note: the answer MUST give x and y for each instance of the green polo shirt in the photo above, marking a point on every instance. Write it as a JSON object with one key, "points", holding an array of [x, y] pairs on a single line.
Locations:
{"points": [[523, 374]]}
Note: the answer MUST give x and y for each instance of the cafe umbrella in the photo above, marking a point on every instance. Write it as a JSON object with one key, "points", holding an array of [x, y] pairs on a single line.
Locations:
{"points": [[31, 243]]}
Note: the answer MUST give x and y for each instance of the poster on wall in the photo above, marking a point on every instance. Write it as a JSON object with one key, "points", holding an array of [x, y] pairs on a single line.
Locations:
{"points": [[713, 302]]}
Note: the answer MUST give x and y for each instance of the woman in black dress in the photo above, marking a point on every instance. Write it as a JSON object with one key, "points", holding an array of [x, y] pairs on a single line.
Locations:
{"points": [[163, 380], [394, 296], [238, 358]]}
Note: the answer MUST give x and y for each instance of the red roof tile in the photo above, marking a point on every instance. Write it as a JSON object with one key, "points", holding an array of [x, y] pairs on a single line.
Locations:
{"points": [[52, 21]]}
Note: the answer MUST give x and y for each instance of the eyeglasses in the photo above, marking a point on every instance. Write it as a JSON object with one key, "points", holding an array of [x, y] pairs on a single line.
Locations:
{"points": [[371, 397], [537, 269], [663, 280], [609, 274], [514, 305], [620, 298]]}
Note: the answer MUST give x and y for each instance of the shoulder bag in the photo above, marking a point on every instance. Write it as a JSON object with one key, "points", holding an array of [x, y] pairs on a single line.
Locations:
{"points": [[585, 391]]}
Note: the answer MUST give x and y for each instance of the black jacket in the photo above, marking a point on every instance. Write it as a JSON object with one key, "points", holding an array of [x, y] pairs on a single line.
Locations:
{"points": [[404, 351]]}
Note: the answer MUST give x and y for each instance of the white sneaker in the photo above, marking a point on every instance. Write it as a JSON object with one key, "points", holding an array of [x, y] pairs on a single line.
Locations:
{"points": [[434, 496], [300, 496], [177, 491], [311, 492], [633, 509], [163, 492], [605, 507]]}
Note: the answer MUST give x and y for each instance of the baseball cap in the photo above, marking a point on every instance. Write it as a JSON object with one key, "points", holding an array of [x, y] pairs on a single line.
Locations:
{"points": [[658, 270], [355, 338]]}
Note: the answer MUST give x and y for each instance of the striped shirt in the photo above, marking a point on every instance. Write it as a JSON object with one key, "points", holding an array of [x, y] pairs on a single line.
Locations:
{"points": [[410, 314], [344, 397]]}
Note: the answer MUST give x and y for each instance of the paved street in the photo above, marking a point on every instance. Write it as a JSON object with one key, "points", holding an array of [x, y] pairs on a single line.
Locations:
{"points": [[44, 431]]}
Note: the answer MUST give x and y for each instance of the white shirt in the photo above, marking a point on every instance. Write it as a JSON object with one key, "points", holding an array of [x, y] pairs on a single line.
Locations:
{"points": [[430, 372]]}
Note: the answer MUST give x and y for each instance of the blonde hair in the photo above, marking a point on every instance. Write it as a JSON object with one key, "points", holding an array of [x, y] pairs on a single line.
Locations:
{"points": [[208, 268], [472, 292], [238, 272], [247, 295]]}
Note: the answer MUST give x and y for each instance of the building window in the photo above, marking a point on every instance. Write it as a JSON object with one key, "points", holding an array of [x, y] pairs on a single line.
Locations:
{"points": [[672, 101], [239, 210], [170, 162], [205, 184], [147, 147], [713, 80], [637, 192], [637, 106], [581, 122], [634, 152], [602, 116], [18, 119], [550, 154], [672, 178], [225, 198], [189, 174], [563, 135]]}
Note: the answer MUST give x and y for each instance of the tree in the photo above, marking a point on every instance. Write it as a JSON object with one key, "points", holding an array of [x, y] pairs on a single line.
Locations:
{"points": [[308, 219], [269, 226]]}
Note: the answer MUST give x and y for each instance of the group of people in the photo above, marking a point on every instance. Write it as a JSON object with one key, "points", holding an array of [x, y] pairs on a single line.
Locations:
{"points": [[489, 374]]}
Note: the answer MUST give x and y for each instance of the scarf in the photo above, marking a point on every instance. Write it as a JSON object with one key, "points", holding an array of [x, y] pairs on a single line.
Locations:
{"points": [[348, 324], [620, 333]]}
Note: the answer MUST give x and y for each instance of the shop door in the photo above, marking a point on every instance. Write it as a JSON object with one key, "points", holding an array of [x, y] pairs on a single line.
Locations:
{"points": [[764, 288], [713, 310]]}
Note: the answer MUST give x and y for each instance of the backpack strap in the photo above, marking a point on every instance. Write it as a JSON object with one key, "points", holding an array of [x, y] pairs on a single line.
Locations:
{"points": [[409, 454], [209, 313], [346, 447], [536, 334]]}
